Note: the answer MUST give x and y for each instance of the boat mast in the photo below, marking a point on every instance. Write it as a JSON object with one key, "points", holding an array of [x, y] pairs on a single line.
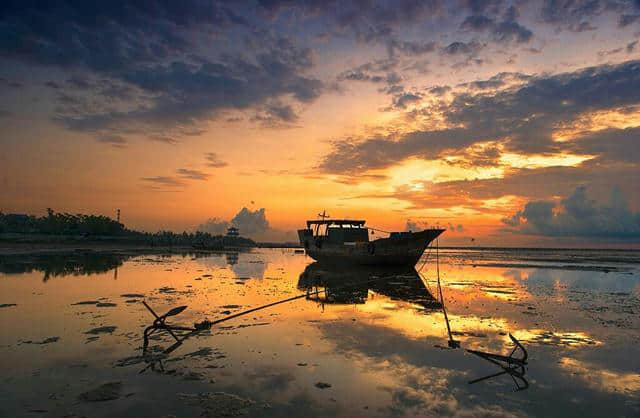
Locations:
{"points": [[322, 215]]}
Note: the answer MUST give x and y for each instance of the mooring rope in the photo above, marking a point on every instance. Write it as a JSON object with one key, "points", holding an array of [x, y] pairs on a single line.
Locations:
{"points": [[379, 230]]}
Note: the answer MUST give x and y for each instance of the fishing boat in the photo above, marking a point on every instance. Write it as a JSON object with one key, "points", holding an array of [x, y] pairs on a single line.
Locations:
{"points": [[346, 241]]}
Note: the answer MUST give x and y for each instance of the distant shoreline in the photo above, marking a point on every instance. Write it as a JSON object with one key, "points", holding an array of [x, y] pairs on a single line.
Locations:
{"points": [[15, 248], [65, 245]]}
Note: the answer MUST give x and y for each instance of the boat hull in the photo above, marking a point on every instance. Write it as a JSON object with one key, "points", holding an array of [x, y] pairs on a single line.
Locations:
{"points": [[404, 250]]}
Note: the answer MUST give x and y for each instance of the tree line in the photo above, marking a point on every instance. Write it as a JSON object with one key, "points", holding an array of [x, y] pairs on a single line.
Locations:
{"points": [[99, 226]]}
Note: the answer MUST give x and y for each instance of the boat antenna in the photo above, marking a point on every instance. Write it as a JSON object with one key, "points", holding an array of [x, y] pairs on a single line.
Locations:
{"points": [[322, 215]]}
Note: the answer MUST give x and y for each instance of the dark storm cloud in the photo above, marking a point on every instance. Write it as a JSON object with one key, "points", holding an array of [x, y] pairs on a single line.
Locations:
{"points": [[496, 81], [574, 15], [609, 145], [527, 116], [183, 93], [147, 48], [528, 113], [403, 100], [506, 30], [582, 27], [192, 174], [511, 31], [104, 36], [462, 48], [570, 11], [139, 66], [282, 112], [578, 216]]}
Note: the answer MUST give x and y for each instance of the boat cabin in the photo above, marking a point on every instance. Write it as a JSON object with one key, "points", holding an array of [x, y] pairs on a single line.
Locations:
{"points": [[337, 231]]}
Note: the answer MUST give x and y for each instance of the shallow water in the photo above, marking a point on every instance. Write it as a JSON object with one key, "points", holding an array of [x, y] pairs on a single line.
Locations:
{"points": [[374, 344]]}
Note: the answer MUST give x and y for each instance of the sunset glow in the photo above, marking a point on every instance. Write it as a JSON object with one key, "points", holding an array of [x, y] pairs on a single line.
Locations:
{"points": [[440, 113]]}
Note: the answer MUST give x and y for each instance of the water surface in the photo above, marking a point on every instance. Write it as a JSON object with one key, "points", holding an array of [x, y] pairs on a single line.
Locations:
{"points": [[371, 343]]}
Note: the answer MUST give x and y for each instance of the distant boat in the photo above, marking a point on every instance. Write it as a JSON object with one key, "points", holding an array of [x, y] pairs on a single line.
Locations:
{"points": [[346, 241]]}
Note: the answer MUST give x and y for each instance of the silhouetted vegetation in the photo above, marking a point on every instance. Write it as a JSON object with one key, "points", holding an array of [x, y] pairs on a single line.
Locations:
{"points": [[60, 265], [60, 224], [102, 228]]}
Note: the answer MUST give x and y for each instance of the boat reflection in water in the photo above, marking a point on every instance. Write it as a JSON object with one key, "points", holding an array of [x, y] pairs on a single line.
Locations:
{"points": [[351, 284], [331, 284]]}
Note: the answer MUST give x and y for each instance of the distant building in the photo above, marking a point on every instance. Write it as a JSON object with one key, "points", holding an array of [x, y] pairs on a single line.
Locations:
{"points": [[233, 232]]}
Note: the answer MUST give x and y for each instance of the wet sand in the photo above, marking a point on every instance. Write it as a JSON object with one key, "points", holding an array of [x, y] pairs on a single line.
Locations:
{"points": [[374, 344]]}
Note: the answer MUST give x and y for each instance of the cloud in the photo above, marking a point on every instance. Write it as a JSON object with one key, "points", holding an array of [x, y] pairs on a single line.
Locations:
{"points": [[164, 181], [214, 226], [609, 145], [11, 84], [405, 99], [567, 13], [143, 55], [411, 48], [626, 20], [276, 115], [462, 48], [439, 90], [477, 23], [213, 160], [192, 174], [528, 115], [163, 139], [251, 223], [184, 93], [507, 30], [497, 81], [113, 140], [578, 216], [602, 54], [107, 37], [527, 183]]}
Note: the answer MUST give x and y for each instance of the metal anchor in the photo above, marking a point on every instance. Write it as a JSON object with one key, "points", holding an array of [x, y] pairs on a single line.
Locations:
{"points": [[513, 366]]}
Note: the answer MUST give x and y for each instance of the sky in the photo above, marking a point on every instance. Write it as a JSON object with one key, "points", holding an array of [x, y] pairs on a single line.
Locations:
{"points": [[507, 122]]}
